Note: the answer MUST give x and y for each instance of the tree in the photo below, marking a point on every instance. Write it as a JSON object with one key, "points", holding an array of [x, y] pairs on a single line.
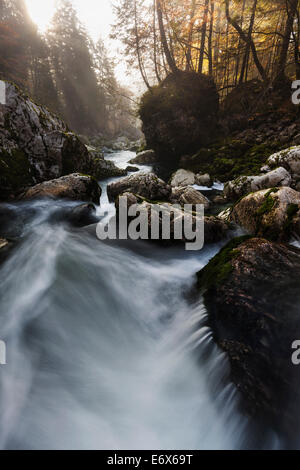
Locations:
{"points": [[16, 35], [71, 57]]}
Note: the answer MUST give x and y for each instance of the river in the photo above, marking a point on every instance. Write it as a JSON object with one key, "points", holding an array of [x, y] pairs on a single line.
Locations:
{"points": [[105, 349]]}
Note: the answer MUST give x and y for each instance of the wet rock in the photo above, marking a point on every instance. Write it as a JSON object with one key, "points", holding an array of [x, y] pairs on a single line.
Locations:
{"points": [[132, 169], [215, 229], [203, 180], [188, 195], [147, 185], [252, 293], [75, 187], [103, 169], [273, 213], [6, 247], [144, 158], [83, 215], [243, 185], [289, 159], [3, 243], [182, 178]]}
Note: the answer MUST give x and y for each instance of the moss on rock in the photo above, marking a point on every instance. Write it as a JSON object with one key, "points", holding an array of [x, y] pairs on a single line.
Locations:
{"points": [[220, 267]]}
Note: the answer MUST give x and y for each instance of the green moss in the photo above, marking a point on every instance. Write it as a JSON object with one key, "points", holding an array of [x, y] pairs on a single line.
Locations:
{"points": [[220, 267], [229, 158], [268, 203]]}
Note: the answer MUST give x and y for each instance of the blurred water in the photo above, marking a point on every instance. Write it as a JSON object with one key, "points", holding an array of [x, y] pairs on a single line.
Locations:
{"points": [[104, 351]]}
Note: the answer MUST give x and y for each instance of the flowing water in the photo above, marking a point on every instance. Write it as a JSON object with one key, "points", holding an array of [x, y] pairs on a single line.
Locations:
{"points": [[104, 348]]}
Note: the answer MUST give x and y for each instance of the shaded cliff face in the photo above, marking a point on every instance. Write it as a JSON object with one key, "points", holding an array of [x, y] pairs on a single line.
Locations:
{"points": [[252, 292], [180, 115], [35, 145]]}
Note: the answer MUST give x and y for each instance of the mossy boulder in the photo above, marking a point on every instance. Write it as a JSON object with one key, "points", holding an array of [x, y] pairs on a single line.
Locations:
{"points": [[252, 293], [36, 145], [271, 213], [180, 115]]}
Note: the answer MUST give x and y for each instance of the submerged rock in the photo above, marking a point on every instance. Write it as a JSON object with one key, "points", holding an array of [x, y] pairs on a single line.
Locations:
{"points": [[147, 185], [252, 293], [273, 213], [243, 185], [133, 169], [75, 187], [79, 216]]}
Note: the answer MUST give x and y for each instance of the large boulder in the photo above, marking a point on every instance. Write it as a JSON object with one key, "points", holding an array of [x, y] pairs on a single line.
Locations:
{"points": [[180, 115], [36, 146], [243, 185], [252, 294], [147, 185], [144, 158], [188, 195], [273, 213], [182, 178], [290, 160], [75, 187]]}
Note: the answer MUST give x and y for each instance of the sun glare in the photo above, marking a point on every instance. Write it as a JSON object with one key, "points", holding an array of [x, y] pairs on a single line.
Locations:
{"points": [[41, 12]]}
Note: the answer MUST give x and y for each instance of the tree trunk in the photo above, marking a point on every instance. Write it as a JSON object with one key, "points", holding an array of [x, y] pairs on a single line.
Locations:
{"points": [[155, 43], [170, 59], [291, 12], [203, 37], [190, 37], [247, 39], [247, 53], [138, 52], [211, 26]]}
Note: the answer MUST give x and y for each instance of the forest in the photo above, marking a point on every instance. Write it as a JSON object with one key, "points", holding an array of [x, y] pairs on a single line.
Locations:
{"points": [[232, 41], [150, 226], [64, 69]]}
